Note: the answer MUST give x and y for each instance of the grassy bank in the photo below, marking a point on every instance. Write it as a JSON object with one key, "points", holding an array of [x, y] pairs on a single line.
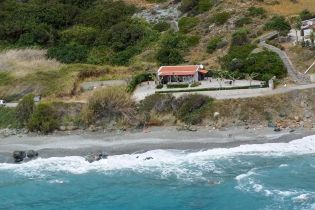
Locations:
{"points": [[7, 118]]}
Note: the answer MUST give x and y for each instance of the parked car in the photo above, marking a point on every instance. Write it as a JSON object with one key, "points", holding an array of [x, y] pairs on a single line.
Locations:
{"points": [[2, 103]]}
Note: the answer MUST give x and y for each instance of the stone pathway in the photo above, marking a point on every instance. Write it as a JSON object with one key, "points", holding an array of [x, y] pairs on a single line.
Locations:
{"points": [[298, 77]]}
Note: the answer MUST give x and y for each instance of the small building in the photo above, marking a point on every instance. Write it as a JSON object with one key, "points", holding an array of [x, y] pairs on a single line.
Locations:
{"points": [[186, 74], [304, 33]]}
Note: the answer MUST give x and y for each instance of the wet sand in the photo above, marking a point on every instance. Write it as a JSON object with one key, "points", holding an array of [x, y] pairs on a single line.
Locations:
{"points": [[81, 143]]}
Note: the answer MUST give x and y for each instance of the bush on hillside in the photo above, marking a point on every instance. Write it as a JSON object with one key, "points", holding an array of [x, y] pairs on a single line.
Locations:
{"points": [[306, 15], [243, 21], [69, 53], [160, 103], [190, 108], [267, 64], [25, 109], [220, 18], [162, 26], [278, 23], [213, 44], [79, 34], [110, 105], [43, 120], [256, 11], [240, 37], [204, 5], [173, 46], [138, 79], [186, 24]]}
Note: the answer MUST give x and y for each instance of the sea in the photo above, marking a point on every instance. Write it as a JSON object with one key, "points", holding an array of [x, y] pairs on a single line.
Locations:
{"points": [[259, 176]]}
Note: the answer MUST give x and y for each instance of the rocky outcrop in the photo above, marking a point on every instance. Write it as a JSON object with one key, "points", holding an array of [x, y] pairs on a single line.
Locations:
{"points": [[96, 157], [20, 156]]}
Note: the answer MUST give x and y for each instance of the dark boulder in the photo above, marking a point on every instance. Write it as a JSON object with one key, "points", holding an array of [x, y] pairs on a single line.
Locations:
{"points": [[277, 129], [96, 157], [19, 156], [148, 158], [31, 154]]}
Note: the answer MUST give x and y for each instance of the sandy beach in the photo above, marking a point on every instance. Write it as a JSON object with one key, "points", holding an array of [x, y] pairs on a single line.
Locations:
{"points": [[81, 143]]}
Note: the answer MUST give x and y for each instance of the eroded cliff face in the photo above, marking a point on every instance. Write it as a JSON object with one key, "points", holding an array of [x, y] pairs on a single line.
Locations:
{"points": [[291, 110]]}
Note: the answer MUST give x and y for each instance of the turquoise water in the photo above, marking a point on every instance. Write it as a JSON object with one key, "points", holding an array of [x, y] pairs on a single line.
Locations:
{"points": [[269, 176]]}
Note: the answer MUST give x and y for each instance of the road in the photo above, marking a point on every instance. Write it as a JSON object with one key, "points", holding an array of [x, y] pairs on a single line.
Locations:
{"points": [[249, 93]]}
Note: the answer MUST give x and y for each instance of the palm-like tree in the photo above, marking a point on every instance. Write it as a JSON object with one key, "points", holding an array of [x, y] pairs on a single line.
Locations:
{"points": [[296, 24]]}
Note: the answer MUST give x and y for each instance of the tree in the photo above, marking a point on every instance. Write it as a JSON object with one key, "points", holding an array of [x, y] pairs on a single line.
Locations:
{"points": [[25, 109], [296, 24]]}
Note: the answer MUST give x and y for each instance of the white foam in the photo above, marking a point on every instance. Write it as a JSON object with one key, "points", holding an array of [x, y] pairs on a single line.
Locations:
{"points": [[168, 162]]}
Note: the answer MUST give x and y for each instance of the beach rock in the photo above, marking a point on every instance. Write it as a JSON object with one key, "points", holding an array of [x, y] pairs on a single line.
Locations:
{"points": [[277, 129], [19, 156], [216, 115], [96, 157], [271, 125], [148, 158], [31, 154], [92, 128]]}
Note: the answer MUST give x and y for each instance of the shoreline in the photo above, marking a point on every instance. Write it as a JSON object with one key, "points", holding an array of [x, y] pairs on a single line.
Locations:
{"points": [[83, 143]]}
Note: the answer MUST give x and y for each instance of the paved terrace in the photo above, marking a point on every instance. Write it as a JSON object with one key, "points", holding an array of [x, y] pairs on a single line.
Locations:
{"points": [[148, 89]]}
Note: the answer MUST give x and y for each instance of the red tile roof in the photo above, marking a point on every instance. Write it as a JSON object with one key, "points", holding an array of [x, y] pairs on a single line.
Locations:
{"points": [[178, 70]]}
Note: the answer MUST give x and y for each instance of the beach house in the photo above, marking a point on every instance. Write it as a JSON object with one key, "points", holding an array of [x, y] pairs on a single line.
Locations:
{"points": [[185, 74]]}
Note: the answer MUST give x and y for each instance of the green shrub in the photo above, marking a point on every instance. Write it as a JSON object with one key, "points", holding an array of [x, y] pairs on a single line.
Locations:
{"points": [[195, 84], [157, 102], [8, 118], [43, 120], [192, 40], [213, 44], [240, 37], [138, 79], [159, 86], [220, 18], [69, 53], [306, 15], [256, 11], [191, 108], [187, 5], [79, 34], [177, 85], [267, 64], [236, 57], [204, 5], [162, 26], [173, 46], [110, 105], [186, 24], [5, 78], [278, 23], [243, 21], [25, 109]]}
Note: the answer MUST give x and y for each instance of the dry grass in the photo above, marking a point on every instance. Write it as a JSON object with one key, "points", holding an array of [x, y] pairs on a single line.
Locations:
{"points": [[287, 7], [22, 62], [301, 58], [110, 105]]}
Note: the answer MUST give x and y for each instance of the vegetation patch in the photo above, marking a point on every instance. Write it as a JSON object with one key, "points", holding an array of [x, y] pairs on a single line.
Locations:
{"points": [[44, 119], [177, 85], [108, 105], [186, 24], [220, 18], [8, 118]]}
